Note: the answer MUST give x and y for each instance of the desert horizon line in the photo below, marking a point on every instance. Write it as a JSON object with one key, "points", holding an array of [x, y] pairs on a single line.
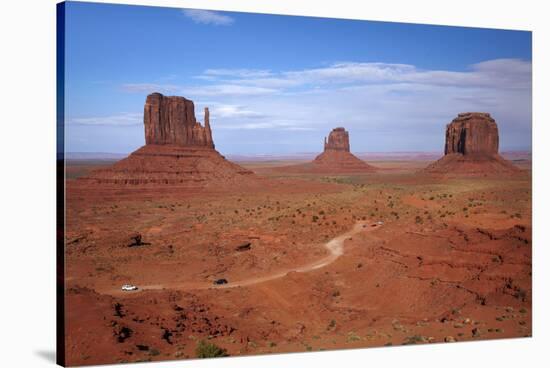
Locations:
{"points": [[505, 151]]}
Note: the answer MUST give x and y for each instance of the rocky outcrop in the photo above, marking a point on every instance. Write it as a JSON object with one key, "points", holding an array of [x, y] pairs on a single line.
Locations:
{"points": [[338, 161], [471, 148], [472, 133], [178, 151], [335, 159], [171, 120], [338, 140], [154, 164]]}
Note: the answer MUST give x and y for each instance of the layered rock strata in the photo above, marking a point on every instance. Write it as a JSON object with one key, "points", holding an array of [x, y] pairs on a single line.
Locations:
{"points": [[335, 159], [471, 148], [178, 151]]}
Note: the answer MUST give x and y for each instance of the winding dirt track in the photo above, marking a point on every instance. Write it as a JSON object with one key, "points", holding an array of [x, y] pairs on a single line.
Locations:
{"points": [[335, 247]]}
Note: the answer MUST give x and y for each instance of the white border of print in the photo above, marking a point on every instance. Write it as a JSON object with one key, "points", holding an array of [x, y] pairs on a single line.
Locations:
{"points": [[28, 180]]}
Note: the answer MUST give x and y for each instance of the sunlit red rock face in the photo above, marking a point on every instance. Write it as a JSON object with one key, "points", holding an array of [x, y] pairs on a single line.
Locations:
{"points": [[178, 151], [171, 120], [335, 159], [472, 133], [338, 140], [471, 147]]}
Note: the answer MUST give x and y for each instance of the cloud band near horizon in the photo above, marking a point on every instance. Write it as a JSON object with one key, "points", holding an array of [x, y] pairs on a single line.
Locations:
{"points": [[370, 98]]}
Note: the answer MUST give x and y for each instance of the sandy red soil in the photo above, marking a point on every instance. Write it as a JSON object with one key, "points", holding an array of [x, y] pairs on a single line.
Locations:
{"points": [[451, 262]]}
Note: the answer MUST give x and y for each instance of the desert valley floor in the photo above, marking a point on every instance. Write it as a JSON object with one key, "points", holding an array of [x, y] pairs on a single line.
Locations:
{"points": [[313, 262]]}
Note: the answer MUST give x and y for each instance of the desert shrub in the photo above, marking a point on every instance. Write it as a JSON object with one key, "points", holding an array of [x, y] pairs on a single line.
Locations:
{"points": [[209, 350], [415, 339], [352, 336]]}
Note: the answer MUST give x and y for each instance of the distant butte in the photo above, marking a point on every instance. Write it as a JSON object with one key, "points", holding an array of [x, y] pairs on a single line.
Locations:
{"points": [[338, 140], [471, 148], [336, 157], [178, 151]]}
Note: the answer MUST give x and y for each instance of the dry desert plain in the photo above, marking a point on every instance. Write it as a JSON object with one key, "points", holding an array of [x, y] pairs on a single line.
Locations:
{"points": [[313, 262]]}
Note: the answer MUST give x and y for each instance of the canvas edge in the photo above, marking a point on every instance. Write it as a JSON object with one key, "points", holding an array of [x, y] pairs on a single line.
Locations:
{"points": [[60, 184]]}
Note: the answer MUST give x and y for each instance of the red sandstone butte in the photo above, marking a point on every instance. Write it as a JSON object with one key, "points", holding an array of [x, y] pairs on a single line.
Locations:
{"points": [[471, 148], [335, 159], [171, 120], [338, 140], [178, 151]]}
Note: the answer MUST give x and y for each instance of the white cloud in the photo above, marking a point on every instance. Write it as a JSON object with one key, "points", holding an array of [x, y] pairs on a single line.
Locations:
{"points": [[271, 124], [208, 17], [385, 106], [122, 119], [500, 73], [150, 88], [503, 73], [234, 111], [226, 90]]}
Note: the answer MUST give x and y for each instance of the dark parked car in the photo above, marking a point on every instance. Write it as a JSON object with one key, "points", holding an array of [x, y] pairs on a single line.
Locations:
{"points": [[220, 282]]}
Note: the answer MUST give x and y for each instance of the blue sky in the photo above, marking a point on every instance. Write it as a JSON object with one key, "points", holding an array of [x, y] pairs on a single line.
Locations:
{"points": [[279, 84]]}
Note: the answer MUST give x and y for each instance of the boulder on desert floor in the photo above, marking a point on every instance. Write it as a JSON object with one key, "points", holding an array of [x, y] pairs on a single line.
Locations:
{"points": [[471, 148]]}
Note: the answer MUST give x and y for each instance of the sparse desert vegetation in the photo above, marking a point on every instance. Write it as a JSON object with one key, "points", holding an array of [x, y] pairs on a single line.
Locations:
{"points": [[450, 263]]}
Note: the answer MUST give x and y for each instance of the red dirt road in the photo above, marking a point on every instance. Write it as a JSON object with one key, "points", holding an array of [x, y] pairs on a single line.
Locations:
{"points": [[335, 247]]}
